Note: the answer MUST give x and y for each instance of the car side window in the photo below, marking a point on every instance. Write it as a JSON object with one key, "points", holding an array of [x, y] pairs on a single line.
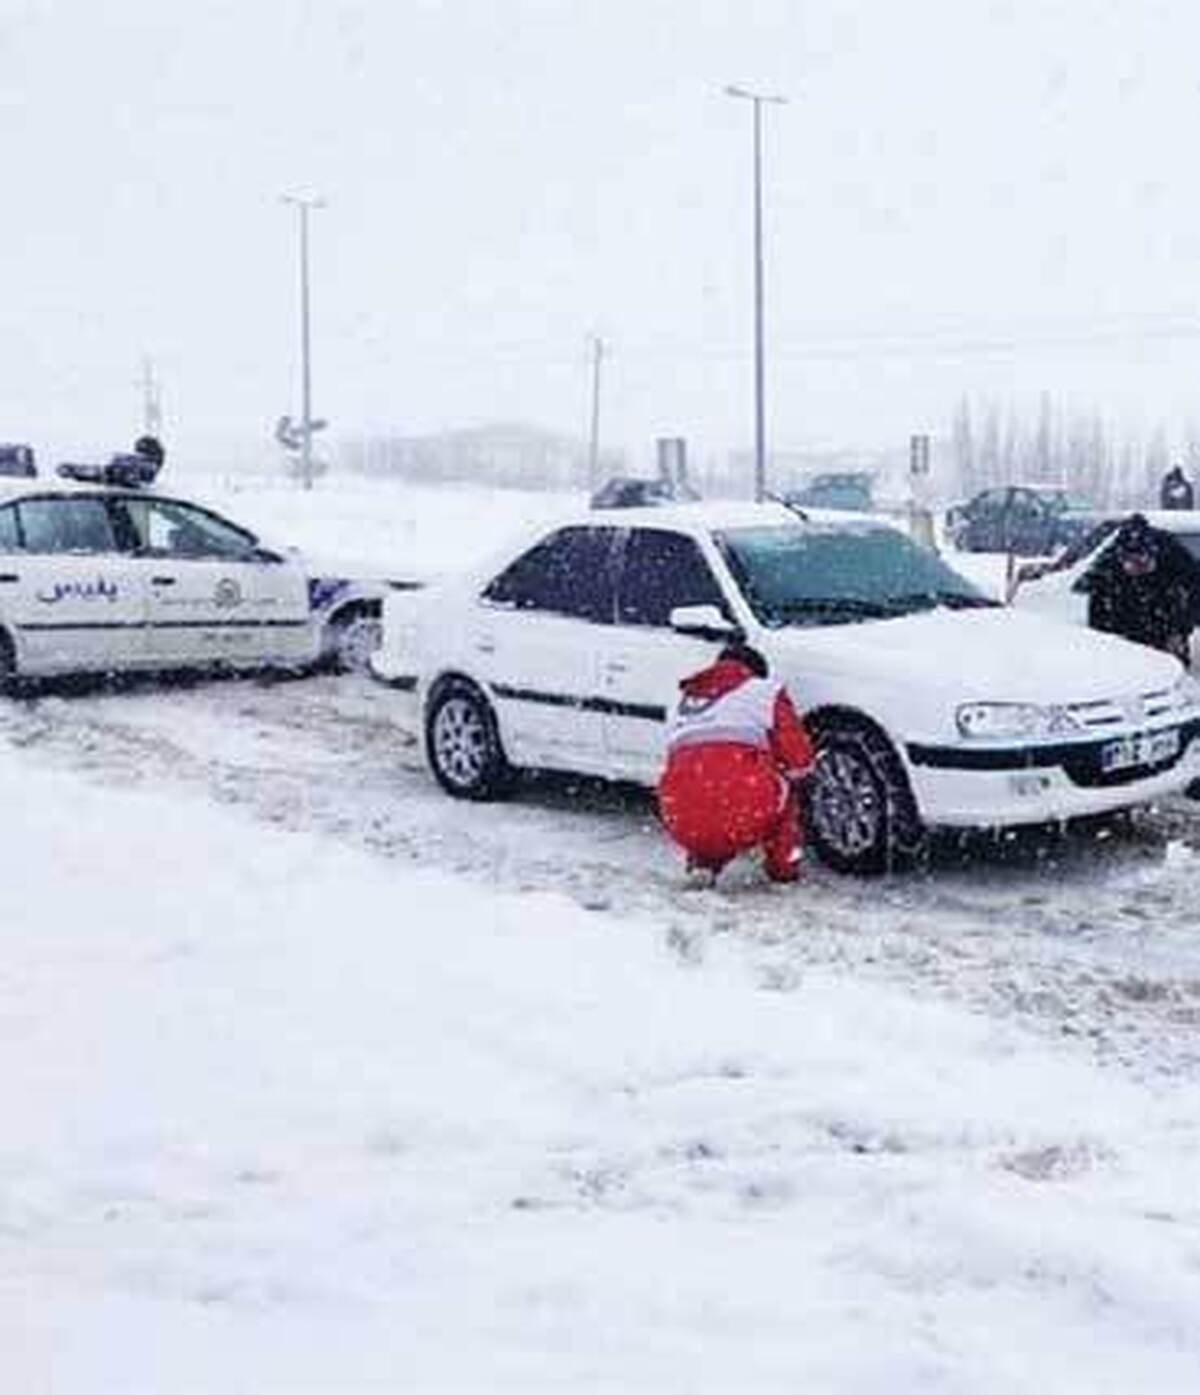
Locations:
{"points": [[1026, 505], [660, 571], [65, 525], [10, 538], [166, 528], [568, 573]]}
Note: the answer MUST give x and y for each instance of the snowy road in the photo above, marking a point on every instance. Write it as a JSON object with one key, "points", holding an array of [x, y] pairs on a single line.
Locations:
{"points": [[1089, 937]]}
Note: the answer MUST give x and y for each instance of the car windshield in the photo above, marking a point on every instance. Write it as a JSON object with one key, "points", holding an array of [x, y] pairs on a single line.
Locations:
{"points": [[1062, 502], [812, 575]]}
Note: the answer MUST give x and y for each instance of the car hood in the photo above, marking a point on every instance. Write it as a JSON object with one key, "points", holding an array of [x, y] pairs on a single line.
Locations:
{"points": [[363, 574], [896, 667]]}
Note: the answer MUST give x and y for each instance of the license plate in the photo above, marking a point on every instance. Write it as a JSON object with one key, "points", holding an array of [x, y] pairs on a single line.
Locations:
{"points": [[1147, 748]]}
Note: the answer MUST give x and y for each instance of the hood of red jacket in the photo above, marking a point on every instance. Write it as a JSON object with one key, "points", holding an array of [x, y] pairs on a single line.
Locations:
{"points": [[716, 680]]}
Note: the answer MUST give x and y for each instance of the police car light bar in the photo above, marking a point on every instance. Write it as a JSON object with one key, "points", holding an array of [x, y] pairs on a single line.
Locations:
{"points": [[128, 471]]}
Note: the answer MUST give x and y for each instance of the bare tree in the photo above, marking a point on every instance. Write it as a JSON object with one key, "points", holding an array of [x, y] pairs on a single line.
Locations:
{"points": [[989, 448], [965, 466], [1043, 443]]}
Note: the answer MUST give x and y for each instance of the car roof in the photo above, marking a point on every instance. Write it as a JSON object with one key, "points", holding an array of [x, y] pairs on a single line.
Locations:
{"points": [[697, 517], [1064, 491], [15, 487], [26, 486], [713, 514], [1170, 520]]}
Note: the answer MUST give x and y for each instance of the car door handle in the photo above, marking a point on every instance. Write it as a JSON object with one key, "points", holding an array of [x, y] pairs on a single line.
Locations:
{"points": [[9, 577], [486, 646], [162, 581], [617, 666]]}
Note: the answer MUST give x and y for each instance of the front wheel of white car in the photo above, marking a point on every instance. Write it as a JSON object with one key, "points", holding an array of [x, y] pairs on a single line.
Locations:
{"points": [[462, 743], [861, 814]]}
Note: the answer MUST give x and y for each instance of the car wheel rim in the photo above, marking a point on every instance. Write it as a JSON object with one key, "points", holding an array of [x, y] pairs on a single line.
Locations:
{"points": [[357, 641], [846, 807], [460, 741]]}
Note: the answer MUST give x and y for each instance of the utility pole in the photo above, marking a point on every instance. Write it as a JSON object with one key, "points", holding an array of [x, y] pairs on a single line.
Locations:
{"points": [[152, 416], [304, 206], [760, 412], [594, 435]]}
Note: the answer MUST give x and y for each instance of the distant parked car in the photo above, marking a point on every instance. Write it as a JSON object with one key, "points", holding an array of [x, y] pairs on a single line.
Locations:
{"points": [[17, 460], [636, 492], [848, 490], [930, 703], [1029, 520], [1060, 589]]}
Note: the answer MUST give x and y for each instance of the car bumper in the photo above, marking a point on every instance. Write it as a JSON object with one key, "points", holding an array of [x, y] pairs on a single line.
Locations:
{"points": [[403, 684], [959, 787]]}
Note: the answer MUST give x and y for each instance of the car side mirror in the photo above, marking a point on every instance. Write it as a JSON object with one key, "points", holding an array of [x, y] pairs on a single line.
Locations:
{"points": [[703, 621]]}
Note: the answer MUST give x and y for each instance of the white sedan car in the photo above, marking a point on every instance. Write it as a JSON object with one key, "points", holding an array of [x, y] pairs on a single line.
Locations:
{"points": [[100, 579], [930, 703], [1059, 589]]}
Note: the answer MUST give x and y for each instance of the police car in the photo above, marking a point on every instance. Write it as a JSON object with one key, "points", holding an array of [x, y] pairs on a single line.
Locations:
{"points": [[99, 573]]}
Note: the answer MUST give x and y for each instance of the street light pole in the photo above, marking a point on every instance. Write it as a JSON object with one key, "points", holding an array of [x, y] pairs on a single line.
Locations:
{"points": [[760, 411], [303, 207], [594, 432]]}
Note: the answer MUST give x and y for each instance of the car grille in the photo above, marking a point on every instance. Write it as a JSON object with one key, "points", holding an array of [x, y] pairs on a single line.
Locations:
{"points": [[1112, 712]]}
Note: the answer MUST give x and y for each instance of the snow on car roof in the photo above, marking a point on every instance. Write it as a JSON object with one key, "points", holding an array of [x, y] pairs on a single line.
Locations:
{"points": [[37, 486], [723, 513], [1170, 520], [694, 516], [28, 486]]}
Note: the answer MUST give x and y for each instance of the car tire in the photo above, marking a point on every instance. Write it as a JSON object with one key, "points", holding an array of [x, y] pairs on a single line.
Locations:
{"points": [[8, 666], [862, 817], [353, 637], [462, 743]]}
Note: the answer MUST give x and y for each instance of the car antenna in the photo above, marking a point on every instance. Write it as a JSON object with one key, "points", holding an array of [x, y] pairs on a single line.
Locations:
{"points": [[787, 504]]}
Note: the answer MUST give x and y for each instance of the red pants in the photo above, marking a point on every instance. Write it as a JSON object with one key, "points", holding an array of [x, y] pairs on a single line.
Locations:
{"points": [[718, 800]]}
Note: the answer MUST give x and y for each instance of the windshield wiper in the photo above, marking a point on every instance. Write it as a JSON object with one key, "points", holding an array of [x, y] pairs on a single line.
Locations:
{"points": [[952, 600], [856, 606], [787, 504]]}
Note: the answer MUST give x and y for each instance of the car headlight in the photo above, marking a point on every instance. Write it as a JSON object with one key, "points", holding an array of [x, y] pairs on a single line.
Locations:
{"points": [[986, 721]]}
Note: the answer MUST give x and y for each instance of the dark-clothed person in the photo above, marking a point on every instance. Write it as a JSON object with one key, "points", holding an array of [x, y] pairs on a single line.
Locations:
{"points": [[1146, 587], [1176, 491]]}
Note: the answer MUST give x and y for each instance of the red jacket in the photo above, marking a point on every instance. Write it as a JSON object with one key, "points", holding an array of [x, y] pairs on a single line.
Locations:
{"points": [[727, 703], [730, 743]]}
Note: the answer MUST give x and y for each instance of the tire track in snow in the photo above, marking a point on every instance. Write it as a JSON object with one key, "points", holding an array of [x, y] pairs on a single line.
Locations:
{"points": [[1080, 936]]}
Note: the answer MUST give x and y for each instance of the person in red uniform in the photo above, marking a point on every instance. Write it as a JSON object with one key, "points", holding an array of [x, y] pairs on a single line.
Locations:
{"points": [[736, 749]]}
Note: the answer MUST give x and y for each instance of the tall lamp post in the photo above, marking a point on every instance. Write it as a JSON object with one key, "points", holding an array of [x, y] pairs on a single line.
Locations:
{"points": [[760, 415], [304, 206]]}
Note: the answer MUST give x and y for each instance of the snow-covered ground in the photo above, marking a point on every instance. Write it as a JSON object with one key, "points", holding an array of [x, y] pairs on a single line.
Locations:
{"points": [[321, 1082], [395, 530]]}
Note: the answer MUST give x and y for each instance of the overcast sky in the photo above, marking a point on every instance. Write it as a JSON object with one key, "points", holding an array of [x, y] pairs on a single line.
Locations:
{"points": [[962, 195]]}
